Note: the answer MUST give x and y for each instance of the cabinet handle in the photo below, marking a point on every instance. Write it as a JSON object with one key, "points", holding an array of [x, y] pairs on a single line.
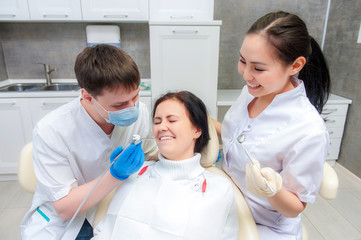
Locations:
{"points": [[328, 111], [7, 15], [4, 104], [125, 15], [53, 103], [55, 15], [329, 120], [190, 31], [181, 17]]}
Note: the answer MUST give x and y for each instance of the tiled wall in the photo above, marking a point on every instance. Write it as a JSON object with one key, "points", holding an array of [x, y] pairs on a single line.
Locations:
{"points": [[3, 73], [237, 16], [57, 44], [344, 58]]}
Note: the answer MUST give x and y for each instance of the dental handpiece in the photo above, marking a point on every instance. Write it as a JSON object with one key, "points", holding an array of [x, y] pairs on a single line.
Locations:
{"points": [[136, 139]]}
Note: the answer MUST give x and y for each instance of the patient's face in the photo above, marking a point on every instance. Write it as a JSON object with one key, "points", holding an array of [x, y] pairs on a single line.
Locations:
{"points": [[174, 132]]}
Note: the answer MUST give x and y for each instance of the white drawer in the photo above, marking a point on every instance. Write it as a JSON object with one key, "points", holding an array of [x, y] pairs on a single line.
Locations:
{"points": [[334, 148], [334, 121], [335, 132], [334, 110]]}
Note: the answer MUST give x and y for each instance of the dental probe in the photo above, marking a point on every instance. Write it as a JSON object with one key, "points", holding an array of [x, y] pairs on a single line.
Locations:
{"points": [[136, 139], [241, 138]]}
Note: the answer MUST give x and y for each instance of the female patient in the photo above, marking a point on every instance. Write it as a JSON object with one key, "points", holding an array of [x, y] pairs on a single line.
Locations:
{"points": [[174, 198]]}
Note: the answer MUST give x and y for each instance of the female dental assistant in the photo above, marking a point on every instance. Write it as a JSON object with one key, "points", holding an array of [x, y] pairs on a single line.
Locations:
{"points": [[72, 145], [276, 119]]}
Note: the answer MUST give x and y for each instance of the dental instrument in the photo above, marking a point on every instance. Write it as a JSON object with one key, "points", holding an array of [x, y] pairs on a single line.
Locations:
{"points": [[136, 139], [241, 138]]}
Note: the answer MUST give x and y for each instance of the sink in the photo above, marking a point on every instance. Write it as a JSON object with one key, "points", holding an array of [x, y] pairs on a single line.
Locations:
{"points": [[60, 87], [27, 87], [20, 87]]}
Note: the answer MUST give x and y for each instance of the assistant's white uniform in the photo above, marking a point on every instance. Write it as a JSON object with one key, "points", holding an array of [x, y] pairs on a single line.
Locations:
{"points": [[290, 137], [166, 202], [70, 149]]}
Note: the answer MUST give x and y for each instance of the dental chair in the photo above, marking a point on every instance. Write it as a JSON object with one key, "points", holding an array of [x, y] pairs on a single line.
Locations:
{"points": [[247, 226]]}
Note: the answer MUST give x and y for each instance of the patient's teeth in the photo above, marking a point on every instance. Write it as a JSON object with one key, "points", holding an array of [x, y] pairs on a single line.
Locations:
{"points": [[251, 85], [166, 138]]}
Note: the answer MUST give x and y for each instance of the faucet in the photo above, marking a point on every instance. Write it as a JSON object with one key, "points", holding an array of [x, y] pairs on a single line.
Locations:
{"points": [[48, 70]]}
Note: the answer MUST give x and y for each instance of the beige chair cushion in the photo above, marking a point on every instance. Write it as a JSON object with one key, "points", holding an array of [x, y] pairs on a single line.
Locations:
{"points": [[247, 225], [329, 184], [26, 175], [210, 152]]}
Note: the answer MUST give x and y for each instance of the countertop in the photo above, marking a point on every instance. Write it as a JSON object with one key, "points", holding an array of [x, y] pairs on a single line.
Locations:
{"points": [[226, 97], [36, 94]]}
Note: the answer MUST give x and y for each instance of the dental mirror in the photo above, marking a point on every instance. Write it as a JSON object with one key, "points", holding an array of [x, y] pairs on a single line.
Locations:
{"points": [[241, 138]]}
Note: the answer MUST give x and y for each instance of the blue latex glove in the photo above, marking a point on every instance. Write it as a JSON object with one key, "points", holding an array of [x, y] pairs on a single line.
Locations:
{"points": [[128, 163]]}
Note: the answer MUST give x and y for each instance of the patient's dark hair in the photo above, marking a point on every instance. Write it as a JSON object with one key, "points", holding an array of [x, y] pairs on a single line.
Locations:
{"points": [[197, 113]]}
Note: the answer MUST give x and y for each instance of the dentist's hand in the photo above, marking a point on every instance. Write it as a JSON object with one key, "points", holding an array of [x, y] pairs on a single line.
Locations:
{"points": [[255, 182], [128, 163]]}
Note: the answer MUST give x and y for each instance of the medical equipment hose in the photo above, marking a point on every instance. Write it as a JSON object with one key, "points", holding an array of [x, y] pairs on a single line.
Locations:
{"points": [[136, 139]]}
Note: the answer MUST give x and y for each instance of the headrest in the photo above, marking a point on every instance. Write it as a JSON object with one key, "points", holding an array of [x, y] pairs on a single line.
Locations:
{"points": [[210, 152]]}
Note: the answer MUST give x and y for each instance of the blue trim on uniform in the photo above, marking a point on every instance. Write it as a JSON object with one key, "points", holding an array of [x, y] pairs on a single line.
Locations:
{"points": [[43, 214]]}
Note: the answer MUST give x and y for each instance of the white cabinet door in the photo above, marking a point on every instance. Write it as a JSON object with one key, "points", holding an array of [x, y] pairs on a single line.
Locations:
{"points": [[39, 107], [15, 132], [185, 58], [13, 10], [181, 10], [115, 10], [55, 10]]}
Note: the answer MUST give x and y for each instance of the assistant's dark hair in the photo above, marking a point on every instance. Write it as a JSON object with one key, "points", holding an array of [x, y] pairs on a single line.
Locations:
{"points": [[105, 66], [289, 35], [197, 113]]}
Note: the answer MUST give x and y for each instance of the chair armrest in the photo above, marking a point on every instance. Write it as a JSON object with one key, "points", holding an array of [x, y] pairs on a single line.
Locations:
{"points": [[329, 184], [247, 225]]}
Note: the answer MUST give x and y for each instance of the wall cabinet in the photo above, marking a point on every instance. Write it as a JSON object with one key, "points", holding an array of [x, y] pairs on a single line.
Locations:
{"points": [[113, 10], [50, 10], [74, 10], [107, 10], [180, 10], [14, 10], [185, 58]]}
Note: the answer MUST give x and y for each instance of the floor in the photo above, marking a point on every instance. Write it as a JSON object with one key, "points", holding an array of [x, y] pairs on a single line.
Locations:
{"points": [[324, 220]]}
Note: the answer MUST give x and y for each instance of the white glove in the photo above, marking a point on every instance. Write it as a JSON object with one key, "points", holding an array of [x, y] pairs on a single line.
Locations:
{"points": [[255, 180]]}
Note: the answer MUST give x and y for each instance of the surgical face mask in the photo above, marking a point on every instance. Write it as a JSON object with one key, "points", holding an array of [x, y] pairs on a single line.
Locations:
{"points": [[124, 117]]}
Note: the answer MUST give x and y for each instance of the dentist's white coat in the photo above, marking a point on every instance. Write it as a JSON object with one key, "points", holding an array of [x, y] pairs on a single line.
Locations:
{"points": [[70, 149], [290, 137]]}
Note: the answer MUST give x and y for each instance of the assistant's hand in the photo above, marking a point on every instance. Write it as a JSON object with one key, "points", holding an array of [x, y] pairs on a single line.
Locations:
{"points": [[128, 163], [255, 182]]}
